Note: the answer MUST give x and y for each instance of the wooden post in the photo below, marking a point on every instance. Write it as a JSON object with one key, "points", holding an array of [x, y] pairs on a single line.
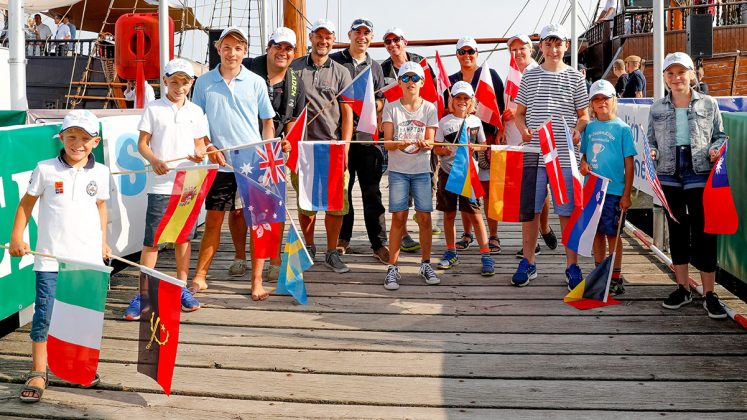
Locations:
{"points": [[293, 18]]}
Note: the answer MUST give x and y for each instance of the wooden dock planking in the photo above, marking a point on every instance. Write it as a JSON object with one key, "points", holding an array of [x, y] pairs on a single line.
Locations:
{"points": [[470, 348]]}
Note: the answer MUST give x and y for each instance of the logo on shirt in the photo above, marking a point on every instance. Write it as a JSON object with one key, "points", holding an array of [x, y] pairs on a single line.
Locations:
{"points": [[188, 196], [58, 187], [92, 188]]}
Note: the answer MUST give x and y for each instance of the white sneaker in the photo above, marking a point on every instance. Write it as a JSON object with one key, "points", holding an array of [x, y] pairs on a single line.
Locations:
{"points": [[427, 273], [391, 281]]}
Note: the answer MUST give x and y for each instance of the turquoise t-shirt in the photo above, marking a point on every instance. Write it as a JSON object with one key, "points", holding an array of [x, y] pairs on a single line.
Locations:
{"points": [[682, 131], [606, 144]]}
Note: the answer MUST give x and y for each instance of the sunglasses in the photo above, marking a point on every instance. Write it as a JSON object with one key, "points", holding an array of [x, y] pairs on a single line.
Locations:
{"points": [[394, 40], [364, 22], [463, 51], [406, 78]]}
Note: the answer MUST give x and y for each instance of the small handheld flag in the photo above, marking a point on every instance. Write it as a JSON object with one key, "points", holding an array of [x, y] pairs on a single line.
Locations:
{"points": [[463, 178], [512, 183], [552, 163], [296, 260], [360, 95], [487, 101], [321, 168], [513, 81], [653, 180], [578, 189], [582, 227], [719, 210], [296, 134]]}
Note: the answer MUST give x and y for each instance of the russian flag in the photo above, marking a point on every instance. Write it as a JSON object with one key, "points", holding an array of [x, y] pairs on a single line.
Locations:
{"points": [[719, 211], [463, 179], [582, 227], [578, 189], [360, 95], [487, 102], [321, 169]]}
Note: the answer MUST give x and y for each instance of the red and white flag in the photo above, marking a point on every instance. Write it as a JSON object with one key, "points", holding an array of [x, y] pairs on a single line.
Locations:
{"points": [[513, 81], [578, 184], [295, 135], [552, 162], [442, 84], [487, 102], [428, 92]]}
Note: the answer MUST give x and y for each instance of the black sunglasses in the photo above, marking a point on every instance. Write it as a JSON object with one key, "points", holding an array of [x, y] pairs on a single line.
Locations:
{"points": [[395, 40], [463, 51], [406, 78]]}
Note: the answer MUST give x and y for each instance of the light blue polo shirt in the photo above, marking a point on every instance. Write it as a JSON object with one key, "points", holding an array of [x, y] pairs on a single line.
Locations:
{"points": [[233, 114]]}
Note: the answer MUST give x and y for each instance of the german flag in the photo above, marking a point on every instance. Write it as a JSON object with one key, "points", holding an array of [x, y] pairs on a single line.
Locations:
{"points": [[513, 179], [160, 311]]}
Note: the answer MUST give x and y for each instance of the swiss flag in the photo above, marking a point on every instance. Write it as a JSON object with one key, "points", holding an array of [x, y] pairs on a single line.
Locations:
{"points": [[296, 134], [487, 102]]}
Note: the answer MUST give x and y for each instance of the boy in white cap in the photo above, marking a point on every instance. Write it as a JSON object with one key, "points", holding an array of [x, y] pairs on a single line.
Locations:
{"points": [[409, 129], [171, 127], [551, 90], [71, 190]]}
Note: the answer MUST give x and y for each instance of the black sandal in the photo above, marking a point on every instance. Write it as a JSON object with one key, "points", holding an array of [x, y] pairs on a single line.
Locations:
{"points": [[495, 245], [36, 391], [465, 242]]}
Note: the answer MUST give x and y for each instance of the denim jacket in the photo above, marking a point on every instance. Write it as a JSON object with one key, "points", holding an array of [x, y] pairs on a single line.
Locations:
{"points": [[706, 132]]}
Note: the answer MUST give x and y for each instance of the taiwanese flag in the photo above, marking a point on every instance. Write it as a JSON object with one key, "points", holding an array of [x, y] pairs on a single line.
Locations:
{"points": [[321, 168], [160, 310], [463, 178], [487, 101], [592, 292], [295, 135], [513, 179], [578, 189], [360, 95], [191, 185], [552, 163], [719, 211]]}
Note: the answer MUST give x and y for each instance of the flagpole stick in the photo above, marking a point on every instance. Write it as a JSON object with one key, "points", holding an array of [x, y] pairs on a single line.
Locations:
{"points": [[227, 149], [40, 254], [614, 254]]}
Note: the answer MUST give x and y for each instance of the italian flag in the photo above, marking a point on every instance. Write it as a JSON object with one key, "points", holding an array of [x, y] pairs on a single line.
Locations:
{"points": [[77, 320]]}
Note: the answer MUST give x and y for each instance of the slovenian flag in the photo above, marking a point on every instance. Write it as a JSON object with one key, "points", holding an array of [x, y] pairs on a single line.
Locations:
{"points": [[160, 313], [487, 101], [513, 179], [552, 162], [719, 210], [578, 189], [579, 233], [360, 95], [296, 260], [296, 134], [321, 169], [463, 178], [190, 189], [77, 322]]}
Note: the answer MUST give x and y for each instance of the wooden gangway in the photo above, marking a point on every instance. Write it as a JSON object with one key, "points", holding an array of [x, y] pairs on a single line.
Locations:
{"points": [[472, 347]]}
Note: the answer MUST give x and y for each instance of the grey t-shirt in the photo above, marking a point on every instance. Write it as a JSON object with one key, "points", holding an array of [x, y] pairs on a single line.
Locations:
{"points": [[410, 126], [448, 132]]}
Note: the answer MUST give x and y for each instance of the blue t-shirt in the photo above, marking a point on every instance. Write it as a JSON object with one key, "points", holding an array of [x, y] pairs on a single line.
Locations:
{"points": [[606, 144], [682, 127], [233, 113]]}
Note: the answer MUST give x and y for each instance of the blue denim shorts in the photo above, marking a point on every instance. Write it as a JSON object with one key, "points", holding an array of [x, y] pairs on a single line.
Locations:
{"points": [[684, 176], [610, 216], [46, 284], [401, 186], [157, 205], [541, 192]]}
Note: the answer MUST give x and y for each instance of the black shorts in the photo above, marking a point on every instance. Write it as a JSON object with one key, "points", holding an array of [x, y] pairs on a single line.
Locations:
{"points": [[222, 194]]}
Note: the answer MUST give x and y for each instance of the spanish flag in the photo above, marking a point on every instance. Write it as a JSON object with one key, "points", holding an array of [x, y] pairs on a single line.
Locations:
{"points": [[463, 178], [513, 179], [190, 188]]}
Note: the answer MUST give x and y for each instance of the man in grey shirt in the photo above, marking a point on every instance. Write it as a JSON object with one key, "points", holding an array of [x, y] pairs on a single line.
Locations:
{"points": [[323, 80]]}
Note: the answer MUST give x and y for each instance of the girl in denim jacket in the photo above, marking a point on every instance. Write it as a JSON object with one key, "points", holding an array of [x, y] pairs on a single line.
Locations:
{"points": [[685, 132]]}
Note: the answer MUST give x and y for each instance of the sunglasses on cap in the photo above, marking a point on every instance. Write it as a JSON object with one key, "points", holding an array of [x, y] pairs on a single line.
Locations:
{"points": [[469, 51], [394, 40], [364, 22], [406, 78]]}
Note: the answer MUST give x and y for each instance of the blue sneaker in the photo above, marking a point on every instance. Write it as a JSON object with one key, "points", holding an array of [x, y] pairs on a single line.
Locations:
{"points": [[488, 266], [450, 259], [524, 273], [132, 313], [573, 276], [189, 303]]}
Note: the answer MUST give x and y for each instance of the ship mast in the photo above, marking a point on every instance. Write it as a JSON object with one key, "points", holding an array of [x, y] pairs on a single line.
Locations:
{"points": [[294, 17]]}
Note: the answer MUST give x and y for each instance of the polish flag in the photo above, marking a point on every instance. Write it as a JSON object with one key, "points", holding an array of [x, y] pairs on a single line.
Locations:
{"points": [[442, 83], [513, 81], [552, 163], [295, 135], [487, 103]]}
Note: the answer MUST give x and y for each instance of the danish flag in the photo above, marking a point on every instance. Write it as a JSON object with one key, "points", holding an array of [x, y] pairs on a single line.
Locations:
{"points": [[552, 163]]}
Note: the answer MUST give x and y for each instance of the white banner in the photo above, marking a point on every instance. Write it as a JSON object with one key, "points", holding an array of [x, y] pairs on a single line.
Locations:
{"points": [[634, 115]]}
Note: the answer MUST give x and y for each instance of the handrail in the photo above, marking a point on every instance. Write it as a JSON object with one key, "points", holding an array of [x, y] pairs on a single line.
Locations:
{"points": [[58, 47]]}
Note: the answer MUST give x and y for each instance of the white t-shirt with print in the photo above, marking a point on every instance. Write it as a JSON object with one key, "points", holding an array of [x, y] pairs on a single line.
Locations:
{"points": [[448, 131], [410, 126]]}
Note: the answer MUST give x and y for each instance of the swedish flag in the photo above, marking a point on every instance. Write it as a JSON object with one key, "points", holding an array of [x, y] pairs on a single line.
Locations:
{"points": [[296, 260]]}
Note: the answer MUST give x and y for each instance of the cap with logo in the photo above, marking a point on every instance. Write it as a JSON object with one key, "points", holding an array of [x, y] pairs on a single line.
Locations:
{"points": [[179, 65], [411, 67], [462, 87], [602, 87], [323, 24], [235, 31], [361, 23], [83, 119], [678, 58], [554, 30], [519, 37], [283, 34], [466, 42], [394, 31]]}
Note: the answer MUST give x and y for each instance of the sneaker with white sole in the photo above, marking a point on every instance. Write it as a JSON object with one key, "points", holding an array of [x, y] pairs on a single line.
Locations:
{"points": [[132, 313], [391, 281], [427, 274], [678, 298], [409, 245], [450, 259], [189, 303], [713, 306], [488, 266], [333, 261], [524, 273], [237, 268]]}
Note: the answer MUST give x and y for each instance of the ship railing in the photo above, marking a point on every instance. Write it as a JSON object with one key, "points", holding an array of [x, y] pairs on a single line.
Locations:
{"points": [[64, 48], [639, 20]]}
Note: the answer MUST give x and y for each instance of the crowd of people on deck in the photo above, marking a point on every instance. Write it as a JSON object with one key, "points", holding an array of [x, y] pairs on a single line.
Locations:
{"points": [[244, 100]]}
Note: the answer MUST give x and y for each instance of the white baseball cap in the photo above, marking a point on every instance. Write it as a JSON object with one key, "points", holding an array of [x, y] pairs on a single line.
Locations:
{"points": [[602, 87], [283, 34], [678, 58], [394, 31], [554, 30], [324, 23], [83, 119], [361, 22], [519, 37], [411, 67], [179, 65], [462, 87], [466, 42], [234, 30]]}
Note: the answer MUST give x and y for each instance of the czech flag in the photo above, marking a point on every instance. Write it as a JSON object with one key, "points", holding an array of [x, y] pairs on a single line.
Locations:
{"points": [[582, 227], [719, 210], [552, 162], [296, 260], [513, 179], [295, 135], [321, 170], [360, 95], [487, 101], [463, 178], [578, 189], [592, 292]]}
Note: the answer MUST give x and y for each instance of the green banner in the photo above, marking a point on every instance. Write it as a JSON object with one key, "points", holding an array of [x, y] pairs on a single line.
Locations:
{"points": [[20, 150], [8, 118], [731, 247]]}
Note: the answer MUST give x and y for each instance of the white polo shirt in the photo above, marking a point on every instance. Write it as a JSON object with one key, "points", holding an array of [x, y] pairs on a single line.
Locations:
{"points": [[68, 224], [173, 132]]}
